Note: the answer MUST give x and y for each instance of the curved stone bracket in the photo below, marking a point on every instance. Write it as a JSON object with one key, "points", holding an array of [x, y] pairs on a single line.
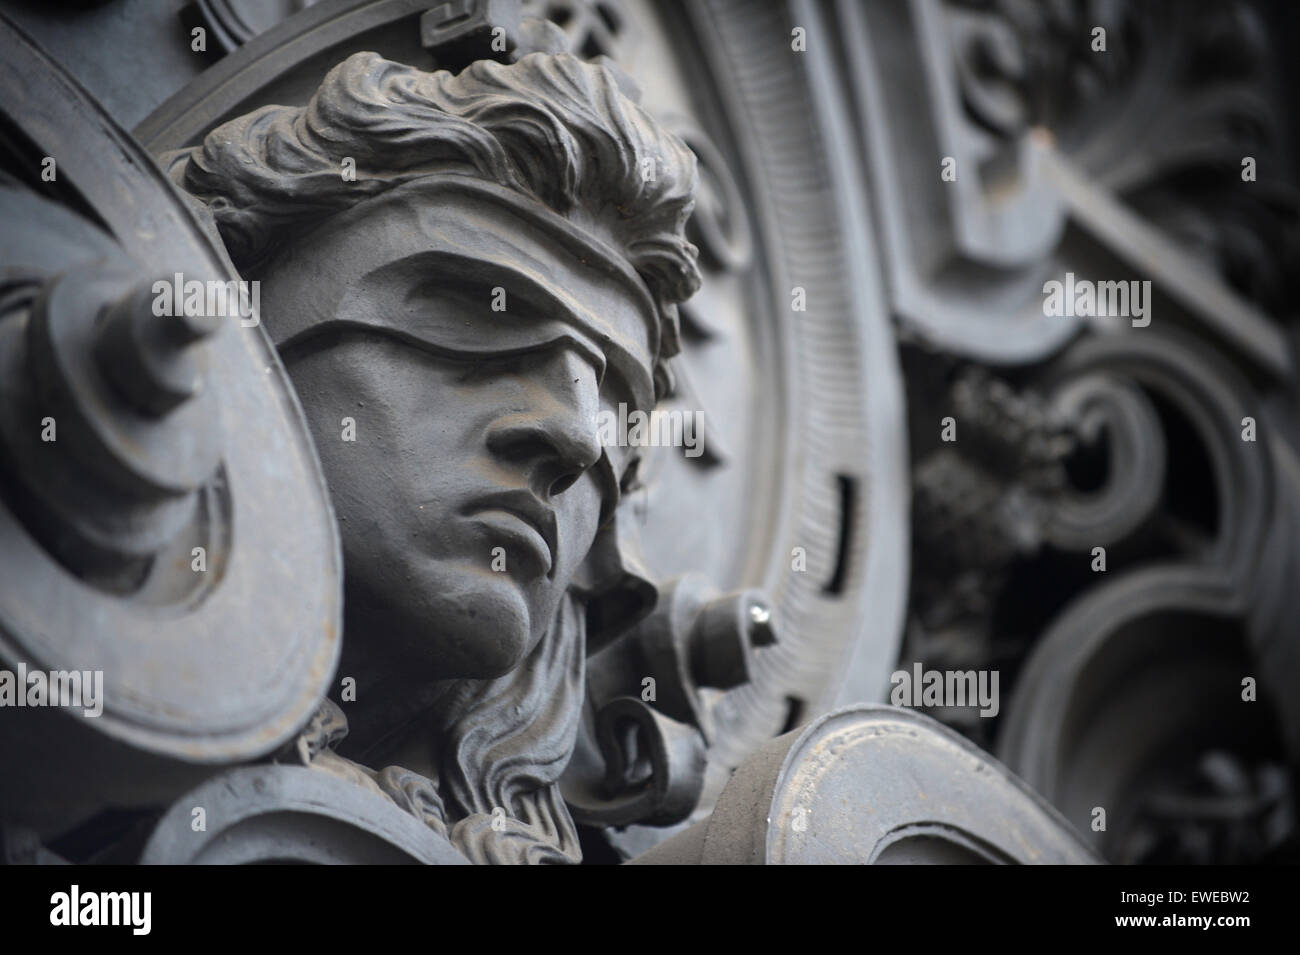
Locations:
{"points": [[877, 785], [291, 814]]}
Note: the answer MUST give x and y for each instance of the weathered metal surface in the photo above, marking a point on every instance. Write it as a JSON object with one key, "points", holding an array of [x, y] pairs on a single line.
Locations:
{"points": [[1126, 551], [291, 815], [1103, 506], [801, 492], [99, 524], [874, 785]]}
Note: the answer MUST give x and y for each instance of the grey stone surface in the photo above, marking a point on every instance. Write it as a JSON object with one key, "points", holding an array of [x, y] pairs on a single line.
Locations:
{"points": [[363, 577]]}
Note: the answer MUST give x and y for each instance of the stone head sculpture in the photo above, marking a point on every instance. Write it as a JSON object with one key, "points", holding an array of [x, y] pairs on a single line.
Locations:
{"points": [[461, 272]]}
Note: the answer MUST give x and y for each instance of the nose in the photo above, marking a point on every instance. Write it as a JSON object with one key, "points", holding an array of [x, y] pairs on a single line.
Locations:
{"points": [[555, 438]]}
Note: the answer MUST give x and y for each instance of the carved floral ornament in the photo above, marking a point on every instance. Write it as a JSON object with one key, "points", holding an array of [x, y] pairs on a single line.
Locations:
{"points": [[468, 628]]}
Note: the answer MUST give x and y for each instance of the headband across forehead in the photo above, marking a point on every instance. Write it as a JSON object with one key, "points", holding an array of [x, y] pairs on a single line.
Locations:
{"points": [[524, 277]]}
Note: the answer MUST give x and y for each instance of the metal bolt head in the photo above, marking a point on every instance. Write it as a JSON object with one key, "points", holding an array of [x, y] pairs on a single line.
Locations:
{"points": [[761, 631]]}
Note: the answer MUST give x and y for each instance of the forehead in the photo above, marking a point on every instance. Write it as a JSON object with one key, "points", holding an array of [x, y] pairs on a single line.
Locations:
{"points": [[463, 272]]}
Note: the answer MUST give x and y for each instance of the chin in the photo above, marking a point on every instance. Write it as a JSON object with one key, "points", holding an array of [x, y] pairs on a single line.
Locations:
{"points": [[480, 622]]}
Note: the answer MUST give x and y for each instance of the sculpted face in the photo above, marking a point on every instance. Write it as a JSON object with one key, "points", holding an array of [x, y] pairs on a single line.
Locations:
{"points": [[475, 485], [464, 274]]}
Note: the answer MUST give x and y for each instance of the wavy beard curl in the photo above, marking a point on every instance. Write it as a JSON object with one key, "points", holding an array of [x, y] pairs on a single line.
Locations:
{"points": [[514, 763]]}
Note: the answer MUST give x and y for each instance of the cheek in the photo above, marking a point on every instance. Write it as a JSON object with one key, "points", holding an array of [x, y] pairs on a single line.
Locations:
{"points": [[384, 448]]}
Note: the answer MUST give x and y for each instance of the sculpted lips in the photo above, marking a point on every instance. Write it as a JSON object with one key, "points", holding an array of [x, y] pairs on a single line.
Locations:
{"points": [[522, 519]]}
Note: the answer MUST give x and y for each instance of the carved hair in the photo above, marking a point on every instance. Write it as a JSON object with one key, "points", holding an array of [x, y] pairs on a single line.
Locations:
{"points": [[495, 794], [551, 126], [515, 764]]}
